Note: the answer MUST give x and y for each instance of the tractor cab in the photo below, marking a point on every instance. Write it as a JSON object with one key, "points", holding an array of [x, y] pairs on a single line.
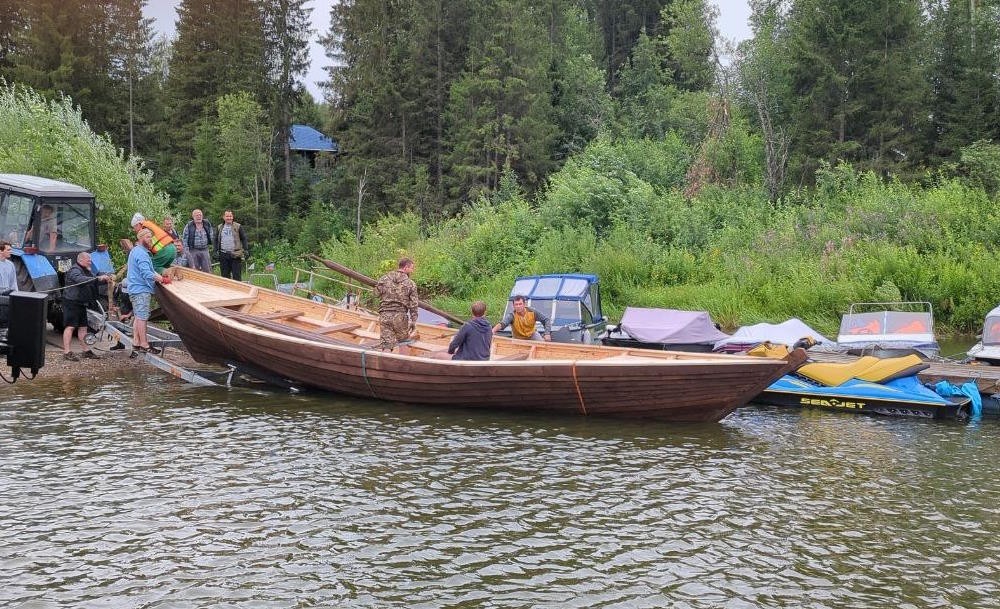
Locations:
{"points": [[48, 223]]}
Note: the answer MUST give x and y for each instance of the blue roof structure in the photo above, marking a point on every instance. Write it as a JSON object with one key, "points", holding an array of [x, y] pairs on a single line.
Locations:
{"points": [[569, 286], [306, 139]]}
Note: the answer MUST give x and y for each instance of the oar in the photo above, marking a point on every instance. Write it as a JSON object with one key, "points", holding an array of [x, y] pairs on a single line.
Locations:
{"points": [[343, 270]]}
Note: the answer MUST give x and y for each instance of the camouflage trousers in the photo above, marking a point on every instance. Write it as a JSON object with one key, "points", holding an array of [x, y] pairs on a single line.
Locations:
{"points": [[394, 328]]}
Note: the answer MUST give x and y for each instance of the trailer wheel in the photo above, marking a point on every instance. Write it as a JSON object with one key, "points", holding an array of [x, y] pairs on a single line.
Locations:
{"points": [[56, 316]]}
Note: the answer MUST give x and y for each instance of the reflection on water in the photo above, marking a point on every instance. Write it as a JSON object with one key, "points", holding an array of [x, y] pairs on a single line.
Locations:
{"points": [[144, 493]]}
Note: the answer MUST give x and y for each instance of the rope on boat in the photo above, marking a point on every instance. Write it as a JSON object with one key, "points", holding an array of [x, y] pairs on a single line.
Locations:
{"points": [[579, 394], [364, 373]]}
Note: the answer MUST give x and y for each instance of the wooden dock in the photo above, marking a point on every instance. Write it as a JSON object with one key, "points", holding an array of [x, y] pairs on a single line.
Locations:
{"points": [[986, 377]]}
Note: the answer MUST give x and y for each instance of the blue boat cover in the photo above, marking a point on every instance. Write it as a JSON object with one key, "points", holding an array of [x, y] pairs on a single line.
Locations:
{"points": [[908, 388], [37, 264], [572, 286]]}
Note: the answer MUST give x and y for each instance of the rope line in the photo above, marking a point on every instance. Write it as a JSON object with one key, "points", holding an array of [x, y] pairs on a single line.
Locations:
{"points": [[579, 394], [364, 373]]}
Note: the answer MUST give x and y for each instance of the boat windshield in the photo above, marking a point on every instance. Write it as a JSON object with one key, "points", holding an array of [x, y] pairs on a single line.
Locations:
{"points": [[991, 331], [884, 323]]}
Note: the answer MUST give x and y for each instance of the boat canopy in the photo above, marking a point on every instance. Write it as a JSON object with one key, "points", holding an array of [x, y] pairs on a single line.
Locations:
{"points": [[670, 326], [570, 298], [991, 328], [786, 333]]}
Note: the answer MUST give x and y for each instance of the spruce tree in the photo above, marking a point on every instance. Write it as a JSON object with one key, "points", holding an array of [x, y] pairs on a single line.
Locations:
{"points": [[288, 34], [500, 107], [61, 53], [856, 84], [220, 49], [965, 64]]}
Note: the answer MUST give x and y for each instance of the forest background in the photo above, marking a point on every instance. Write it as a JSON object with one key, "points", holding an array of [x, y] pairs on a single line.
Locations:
{"points": [[844, 153]]}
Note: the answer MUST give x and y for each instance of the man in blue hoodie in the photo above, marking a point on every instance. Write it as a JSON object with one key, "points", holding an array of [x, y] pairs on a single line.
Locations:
{"points": [[472, 343]]}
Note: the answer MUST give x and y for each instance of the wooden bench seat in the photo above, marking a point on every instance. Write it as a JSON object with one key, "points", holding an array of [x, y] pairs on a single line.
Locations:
{"points": [[334, 328], [281, 315]]}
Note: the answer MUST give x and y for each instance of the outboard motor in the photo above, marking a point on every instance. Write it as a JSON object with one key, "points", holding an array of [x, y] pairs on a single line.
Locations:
{"points": [[25, 346]]}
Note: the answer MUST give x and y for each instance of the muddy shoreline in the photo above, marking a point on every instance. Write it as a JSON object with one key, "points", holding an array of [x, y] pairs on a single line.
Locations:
{"points": [[109, 361]]}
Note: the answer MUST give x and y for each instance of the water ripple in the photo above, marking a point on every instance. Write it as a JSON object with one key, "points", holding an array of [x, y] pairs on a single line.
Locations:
{"points": [[143, 493]]}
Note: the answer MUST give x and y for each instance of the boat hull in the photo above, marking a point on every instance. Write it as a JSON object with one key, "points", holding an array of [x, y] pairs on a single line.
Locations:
{"points": [[680, 390]]}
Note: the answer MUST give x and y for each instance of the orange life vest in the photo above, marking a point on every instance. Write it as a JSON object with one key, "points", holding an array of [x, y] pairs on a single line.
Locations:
{"points": [[160, 237]]}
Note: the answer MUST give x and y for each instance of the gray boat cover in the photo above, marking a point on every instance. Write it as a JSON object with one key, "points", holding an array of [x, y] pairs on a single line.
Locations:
{"points": [[785, 333], [670, 326]]}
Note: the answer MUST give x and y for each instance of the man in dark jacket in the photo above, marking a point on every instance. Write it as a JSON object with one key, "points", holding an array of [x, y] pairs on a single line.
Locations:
{"points": [[230, 247], [472, 343], [81, 290], [198, 237]]}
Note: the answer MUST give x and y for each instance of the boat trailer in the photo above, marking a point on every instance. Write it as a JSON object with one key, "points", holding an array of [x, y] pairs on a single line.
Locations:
{"points": [[236, 374]]}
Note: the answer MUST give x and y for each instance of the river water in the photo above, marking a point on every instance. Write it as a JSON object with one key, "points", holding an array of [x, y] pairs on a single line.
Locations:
{"points": [[141, 492]]}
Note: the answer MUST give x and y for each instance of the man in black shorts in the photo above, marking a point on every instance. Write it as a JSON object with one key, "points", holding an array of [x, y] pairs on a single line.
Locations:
{"points": [[81, 290]]}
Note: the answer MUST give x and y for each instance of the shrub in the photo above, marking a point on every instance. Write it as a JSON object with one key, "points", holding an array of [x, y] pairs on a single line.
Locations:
{"points": [[51, 139]]}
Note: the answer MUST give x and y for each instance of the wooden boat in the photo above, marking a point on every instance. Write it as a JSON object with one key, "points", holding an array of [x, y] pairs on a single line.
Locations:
{"points": [[330, 348]]}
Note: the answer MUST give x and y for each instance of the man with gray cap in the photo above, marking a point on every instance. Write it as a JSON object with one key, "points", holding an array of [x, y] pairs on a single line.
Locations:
{"points": [[162, 247]]}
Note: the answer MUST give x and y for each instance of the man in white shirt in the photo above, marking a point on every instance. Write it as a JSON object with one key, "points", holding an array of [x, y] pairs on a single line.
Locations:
{"points": [[8, 274]]}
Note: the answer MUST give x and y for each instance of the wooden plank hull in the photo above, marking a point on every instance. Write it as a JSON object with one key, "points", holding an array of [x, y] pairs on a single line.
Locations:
{"points": [[589, 380]]}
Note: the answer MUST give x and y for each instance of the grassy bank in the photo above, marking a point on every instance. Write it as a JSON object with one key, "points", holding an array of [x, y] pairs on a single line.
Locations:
{"points": [[619, 213]]}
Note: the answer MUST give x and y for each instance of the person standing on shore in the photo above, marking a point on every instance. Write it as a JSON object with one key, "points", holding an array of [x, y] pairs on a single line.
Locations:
{"points": [[198, 237], [231, 246], [397, 308], [81, 290], [168, 227], [8, 274], [142, 280]]}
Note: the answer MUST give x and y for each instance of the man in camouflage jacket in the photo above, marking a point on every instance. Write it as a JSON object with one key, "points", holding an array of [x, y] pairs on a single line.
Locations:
{"points": [[397, 309]]}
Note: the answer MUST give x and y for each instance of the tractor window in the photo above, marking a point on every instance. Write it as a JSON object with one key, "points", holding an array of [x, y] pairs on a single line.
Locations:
{"points": [[72, 226], [63, 228], [15, 216]]}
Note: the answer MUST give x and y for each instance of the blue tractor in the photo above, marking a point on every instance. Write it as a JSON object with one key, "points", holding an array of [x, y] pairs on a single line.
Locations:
{"points": [[48, 223]]}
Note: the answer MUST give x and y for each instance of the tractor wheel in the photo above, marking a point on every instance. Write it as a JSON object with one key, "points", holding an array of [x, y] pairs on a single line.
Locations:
{"points": [[24, 282]]}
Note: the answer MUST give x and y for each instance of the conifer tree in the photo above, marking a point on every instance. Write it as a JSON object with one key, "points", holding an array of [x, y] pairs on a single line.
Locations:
{"points": [[965, 75], [500, 107], [220, 49], [856, 84], [60, 53], [288, 34]]}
